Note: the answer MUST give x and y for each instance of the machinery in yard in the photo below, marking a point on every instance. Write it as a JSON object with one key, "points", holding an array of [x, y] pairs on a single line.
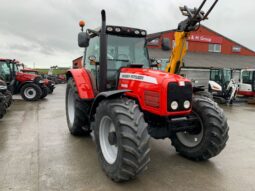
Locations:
{"points": [[30, 86], [247, 83], [49, 83], [222, 85], [120, 99], [5, 98]]}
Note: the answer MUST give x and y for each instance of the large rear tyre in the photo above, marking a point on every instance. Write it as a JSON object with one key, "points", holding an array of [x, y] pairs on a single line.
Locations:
{"points": [[77, 111], [211, 133], [31, 92], [121, 138]]}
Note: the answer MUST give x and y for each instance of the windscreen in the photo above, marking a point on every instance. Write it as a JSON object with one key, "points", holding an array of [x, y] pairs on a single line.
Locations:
{"points": [[123, 51], [5, 71]]}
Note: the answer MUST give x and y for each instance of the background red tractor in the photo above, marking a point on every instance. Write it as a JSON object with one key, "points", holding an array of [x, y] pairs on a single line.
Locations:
{"points": [[30, 86], [123, 101], [49, 83]]}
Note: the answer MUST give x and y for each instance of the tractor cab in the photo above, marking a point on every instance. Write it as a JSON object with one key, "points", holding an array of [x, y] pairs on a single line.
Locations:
{"points": [[222, 76], [110, 48]]}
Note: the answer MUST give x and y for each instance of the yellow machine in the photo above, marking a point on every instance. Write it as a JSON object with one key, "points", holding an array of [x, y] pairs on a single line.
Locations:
{"points": [[192, 23]]}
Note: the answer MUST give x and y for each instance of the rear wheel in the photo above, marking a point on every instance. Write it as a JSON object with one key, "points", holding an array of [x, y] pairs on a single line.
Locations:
{"points": [[77, 111], [31, 92], [121, 138], [209, 137]]}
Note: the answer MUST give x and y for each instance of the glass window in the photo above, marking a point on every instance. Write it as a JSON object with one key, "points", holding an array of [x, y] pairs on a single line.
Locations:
{"points": [[92, 50], [5, 71], [236, 49], [227, 75], [247, 77], [214, 48], [216, 76]]}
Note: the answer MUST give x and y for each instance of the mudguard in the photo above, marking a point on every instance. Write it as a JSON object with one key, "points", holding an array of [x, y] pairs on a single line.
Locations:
{"points": [[83, 83], [105, 95]]}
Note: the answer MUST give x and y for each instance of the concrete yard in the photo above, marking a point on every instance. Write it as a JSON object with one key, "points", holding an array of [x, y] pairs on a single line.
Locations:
{"points": [[38, 153]]}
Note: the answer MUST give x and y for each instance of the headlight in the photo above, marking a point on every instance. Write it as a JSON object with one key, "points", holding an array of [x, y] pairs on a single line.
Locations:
{"points": [[186, 104], [174, 105], [41, 81], [3, 87]]}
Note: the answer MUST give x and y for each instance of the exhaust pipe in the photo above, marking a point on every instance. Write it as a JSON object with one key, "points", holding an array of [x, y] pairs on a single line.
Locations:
{"points": [[103, 55]]}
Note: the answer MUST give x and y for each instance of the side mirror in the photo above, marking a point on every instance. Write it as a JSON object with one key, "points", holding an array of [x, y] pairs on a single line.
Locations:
{"points": [[165, 44], [83, 39]]}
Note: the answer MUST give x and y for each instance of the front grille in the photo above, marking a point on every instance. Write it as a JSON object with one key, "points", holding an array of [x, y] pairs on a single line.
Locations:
{"points": [[179, 94]]}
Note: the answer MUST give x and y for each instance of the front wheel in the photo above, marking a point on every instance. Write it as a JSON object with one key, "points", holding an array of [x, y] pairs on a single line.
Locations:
{"points": [[121, 138], [77, 111], [31, 92], [45, 91], [210, 135]]}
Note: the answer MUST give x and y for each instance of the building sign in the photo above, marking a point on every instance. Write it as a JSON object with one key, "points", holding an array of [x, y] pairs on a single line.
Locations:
{"points": [[205, 38]]}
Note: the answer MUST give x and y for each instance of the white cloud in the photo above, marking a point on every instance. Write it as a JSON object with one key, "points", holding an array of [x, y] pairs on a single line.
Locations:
{"points": [[45, 31]]}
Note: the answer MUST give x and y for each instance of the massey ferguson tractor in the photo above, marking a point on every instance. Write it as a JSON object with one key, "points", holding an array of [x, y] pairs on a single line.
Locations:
{"points": [[120, 99], [30, 86]]}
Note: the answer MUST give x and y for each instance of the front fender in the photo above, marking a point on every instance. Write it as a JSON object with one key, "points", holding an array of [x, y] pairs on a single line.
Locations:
{"points": [[105, 95], [82, 82]]}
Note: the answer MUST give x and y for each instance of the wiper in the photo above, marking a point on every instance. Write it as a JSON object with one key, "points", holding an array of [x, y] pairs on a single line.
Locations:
{"points": [[122, 60]]}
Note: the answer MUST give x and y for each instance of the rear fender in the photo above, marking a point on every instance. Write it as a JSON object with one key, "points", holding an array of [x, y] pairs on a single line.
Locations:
{"points": [[83, 83], [105, 95]]}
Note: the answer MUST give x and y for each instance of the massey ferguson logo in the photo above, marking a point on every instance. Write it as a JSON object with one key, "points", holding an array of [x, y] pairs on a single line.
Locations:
{"points": [[138, 77]]}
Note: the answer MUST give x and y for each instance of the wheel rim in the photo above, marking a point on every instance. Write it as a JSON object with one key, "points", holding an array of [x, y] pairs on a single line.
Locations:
{"points": [[71, 106], [30, 93], [190, 139], [109, 150]]}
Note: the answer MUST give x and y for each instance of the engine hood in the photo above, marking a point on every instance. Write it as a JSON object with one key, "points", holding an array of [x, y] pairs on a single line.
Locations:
{"points": [[149, 75], [27, 76]]}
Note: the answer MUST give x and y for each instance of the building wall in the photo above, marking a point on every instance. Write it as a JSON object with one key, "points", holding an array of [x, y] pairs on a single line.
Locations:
{"points": [[201, 44]]}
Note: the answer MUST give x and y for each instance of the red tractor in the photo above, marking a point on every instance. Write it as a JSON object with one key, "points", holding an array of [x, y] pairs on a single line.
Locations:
{"points": [[49, 83], [120, 99], [31, 87]]}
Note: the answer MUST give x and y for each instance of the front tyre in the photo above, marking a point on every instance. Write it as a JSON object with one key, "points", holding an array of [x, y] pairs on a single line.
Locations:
{"points": [[31, 92], [121, 138], [45, 92], [210, 135], [77, 111]]}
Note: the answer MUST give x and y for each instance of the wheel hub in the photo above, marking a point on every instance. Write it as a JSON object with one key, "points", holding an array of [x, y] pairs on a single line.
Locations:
{"points": [[194, 137], [112, 138], [108, 139], [30, 92]]}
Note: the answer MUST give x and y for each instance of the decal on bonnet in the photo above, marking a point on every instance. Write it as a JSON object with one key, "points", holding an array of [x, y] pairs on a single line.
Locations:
{"points": [[138, 77]]}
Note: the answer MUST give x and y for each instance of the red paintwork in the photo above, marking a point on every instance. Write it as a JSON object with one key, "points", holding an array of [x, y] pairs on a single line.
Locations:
{"points": [[85, 89], [23, 77], [139, 87], [245, 93], [202, 47], [83, 83]]}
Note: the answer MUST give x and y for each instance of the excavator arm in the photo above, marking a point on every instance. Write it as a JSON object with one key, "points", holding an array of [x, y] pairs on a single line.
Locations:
{"points": [[191, 23]]}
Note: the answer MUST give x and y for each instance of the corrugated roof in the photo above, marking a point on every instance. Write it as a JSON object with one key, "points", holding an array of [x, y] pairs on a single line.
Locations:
{"points": [[216, 60]]}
